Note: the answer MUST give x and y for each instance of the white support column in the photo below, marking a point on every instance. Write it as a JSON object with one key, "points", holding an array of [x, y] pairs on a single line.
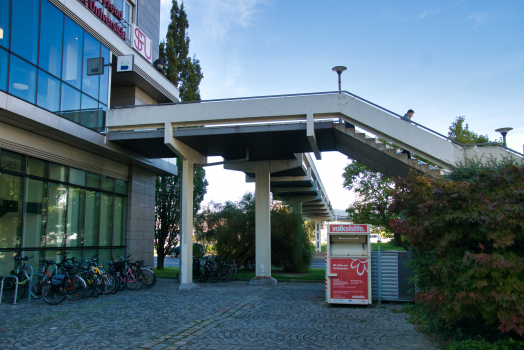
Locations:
{"points": [[263, 226], [318, 241], [186, 227]]}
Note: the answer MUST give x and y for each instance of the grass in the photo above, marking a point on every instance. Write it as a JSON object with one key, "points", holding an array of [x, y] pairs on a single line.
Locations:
{"points": [[312, 275], [167, 272]]}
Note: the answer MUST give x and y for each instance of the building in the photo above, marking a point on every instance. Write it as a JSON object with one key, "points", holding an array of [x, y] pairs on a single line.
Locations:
{"points": [[63, 185]]}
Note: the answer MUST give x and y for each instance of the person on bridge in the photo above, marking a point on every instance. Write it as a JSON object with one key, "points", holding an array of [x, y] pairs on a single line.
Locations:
{"points": [[407, 117]]}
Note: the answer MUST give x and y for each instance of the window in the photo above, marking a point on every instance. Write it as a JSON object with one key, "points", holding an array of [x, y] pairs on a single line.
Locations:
{"points": [[106, 219], [12, 162], [4, 56], [35, 213], [104, 78], [4, 23], [90, 84], [24, 32], [48, 92], [75, 217], [92, 219], [70, 105], [51, 31], [128, 18], [89, 114], [57, 215], [11, 190], [22, 79], [36, 167], [73, 46], [77, 177]]}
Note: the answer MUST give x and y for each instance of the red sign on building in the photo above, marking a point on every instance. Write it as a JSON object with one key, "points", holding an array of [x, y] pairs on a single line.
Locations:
{"points": [[352, 279], [333, 228], [99, 12]]}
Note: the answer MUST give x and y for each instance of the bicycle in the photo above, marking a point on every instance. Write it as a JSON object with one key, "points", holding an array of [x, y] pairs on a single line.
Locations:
{"points": [[56, 288], [132, 278], [12, 287], [149, 274]]}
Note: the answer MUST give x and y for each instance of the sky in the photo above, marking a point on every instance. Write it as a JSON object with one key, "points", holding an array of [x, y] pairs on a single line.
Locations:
{"points": [[442, 59]]}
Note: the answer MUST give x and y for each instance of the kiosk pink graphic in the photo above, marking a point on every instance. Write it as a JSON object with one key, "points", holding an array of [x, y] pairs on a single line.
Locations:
{"points": [[348, 255]]}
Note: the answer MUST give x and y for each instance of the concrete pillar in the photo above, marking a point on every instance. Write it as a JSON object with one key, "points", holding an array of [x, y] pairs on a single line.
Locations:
{"points": [[318, 242], [186, 227], [262, 227], [141, 215]]}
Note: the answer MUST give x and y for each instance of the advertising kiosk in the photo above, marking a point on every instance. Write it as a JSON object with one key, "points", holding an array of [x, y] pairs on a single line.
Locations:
{"points": [[348, 264]]}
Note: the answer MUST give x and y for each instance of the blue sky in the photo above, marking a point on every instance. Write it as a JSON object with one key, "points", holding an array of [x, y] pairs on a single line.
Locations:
{"points": [[441, 58]]}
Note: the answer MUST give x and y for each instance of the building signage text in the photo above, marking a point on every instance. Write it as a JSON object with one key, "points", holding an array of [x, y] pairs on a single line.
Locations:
{"points": [[142, 43], [99, 12], [348, 228]]}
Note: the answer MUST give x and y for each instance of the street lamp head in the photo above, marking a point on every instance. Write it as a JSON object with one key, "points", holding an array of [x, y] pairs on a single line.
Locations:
{"points": [[506, 130], [338, 69]]}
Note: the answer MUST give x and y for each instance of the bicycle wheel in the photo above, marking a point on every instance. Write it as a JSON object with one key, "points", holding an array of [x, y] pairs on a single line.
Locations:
{"points": [[11, 287], [90, 285], [122, 279], [234, 274], [149, 278], [99, 286], [213, 275], [36, 286], [117, 284], [50, 296], [76, 287], [109, 283], [132, 281]]}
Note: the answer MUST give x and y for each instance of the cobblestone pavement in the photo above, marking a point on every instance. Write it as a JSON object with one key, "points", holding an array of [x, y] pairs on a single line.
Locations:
{"points": [[215, 316]]}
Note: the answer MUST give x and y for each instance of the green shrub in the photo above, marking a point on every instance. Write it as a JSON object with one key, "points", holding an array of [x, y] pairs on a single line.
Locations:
{"points": [[484, 345]]}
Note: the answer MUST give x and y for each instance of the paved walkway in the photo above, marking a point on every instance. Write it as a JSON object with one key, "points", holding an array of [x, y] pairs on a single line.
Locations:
{"points": [[216, 316]]}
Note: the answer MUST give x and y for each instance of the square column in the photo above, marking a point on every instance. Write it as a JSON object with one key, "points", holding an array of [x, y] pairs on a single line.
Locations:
{"points": [[262, 227], [186, 227], [318, 243]]}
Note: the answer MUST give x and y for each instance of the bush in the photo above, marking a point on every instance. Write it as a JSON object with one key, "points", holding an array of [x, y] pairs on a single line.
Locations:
{"points": [[468, 235], [484, 345]]}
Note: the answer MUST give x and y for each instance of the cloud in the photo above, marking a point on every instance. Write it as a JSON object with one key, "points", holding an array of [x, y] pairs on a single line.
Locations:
{"points": [[429, 12], [479, 18]]}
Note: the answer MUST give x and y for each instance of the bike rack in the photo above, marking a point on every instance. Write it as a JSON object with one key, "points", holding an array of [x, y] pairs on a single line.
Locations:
{"points": [[16, 290]]}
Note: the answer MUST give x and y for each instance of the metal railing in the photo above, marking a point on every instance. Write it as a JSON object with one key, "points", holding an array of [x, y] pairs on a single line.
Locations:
{"points": [[332, 93]]}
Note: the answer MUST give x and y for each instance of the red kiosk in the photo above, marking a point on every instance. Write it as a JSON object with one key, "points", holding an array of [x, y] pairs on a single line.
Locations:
{"points": [[348, 264]]}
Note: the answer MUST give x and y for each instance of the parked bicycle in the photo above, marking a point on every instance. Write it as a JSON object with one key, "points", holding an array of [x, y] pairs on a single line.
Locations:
{"points": [[17, 288]]}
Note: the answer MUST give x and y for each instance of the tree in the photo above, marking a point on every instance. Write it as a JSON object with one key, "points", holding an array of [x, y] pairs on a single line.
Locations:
{"points": [[186, 74], [462, 134]]}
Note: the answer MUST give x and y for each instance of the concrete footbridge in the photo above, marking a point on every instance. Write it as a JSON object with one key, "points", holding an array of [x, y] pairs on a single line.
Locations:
{"points": [[270, 139]]}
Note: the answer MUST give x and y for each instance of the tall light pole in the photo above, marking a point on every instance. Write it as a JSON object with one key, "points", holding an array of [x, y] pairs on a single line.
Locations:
{"points": [[339, 70], [504, 132]]}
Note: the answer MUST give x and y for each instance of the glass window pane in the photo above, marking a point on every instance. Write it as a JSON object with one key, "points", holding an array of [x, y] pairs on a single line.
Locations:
{"points": [[119, 252], [72, 55], [92, 217], [75, 217], [24, 29], [48, 96], [119, 227], [56, 220], [70, 105], [36, 167], [7, 262], [89, 113], [11, 192], [4, 58], [4, 23], [12, 161], [35, 213], [89, 253], [108, 184], [37, 260], [104, 78], [121, 187], [22, 79], [106, 219], [90, 84], [101, 124], [77, 177], [54, 255], [58, 172], [104, 255], [51, 33], [93, 180]]}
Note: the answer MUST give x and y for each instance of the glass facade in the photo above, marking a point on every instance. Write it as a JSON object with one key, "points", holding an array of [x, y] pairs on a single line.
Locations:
{"points": [[43, 60], [48, 208]]}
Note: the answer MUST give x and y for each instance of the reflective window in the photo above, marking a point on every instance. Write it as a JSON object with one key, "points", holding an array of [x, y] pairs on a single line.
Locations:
{"points": [[108, 184], [106, 219], [24, 29], [89, 114], [121, 187], [90, 84], [70, 104], [51, 31], [4, 23], [93, 180], [75, 217], [92, 218], [73, 45], [58, 172], [4, 58], [104, 78], [48, 96], [22, 79], [119, 226], [12, 162], [36, 167], [35, 213], [11, 190], [102, 109], [57, 215], [77, 177]]}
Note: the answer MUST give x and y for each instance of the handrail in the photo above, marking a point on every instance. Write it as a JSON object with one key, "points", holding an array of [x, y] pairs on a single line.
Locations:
{"points": [[327, 93]]}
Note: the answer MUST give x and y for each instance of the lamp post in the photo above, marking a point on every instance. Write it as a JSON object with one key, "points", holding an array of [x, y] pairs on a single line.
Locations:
{"points": [[504, 132], [339, 70]]}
